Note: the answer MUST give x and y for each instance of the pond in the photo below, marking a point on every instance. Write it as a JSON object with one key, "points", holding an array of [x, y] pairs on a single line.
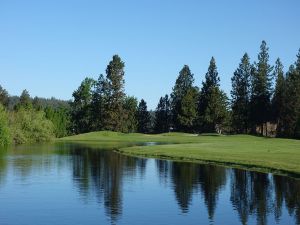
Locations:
{"points": [[73, 184]]}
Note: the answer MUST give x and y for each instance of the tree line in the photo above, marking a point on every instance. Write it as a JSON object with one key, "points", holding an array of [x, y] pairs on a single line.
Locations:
{"points": [[29, 120], [263, 100], [262, 96]]}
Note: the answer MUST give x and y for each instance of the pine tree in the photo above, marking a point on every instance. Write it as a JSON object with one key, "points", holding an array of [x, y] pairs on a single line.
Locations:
{"points": [[261, 79], [291, 114], [188, 110], [25, 101], [143, 118], [163, 115], [212, 106], [278, 100], [240, 96], [130, 111], [183, 85], [115, 95]]}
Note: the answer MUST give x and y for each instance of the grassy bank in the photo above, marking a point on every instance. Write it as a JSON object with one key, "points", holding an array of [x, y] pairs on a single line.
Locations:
{"points": [[256, 153]]}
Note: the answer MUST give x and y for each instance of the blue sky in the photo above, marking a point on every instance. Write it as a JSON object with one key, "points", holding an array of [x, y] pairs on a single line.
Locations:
{"points": [[48, 47]]}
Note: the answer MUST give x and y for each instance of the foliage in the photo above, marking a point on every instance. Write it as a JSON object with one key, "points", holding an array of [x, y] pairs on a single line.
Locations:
{"points": [[188, 110], [143, 118], [81, 107], [25, 101], [278, 100], [240, 96], [4, 98], [163, 115], [4, 128], [212, 102], [114, 111], [261, 85], [30, 126], [60, 118], [130, 111], [291, 111], [184, 112]]}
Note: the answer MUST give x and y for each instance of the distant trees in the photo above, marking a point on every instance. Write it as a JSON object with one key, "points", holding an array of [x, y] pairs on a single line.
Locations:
{"points": [[143, 117], [163, 115], [278, 100], [4, 127], [4, 98], [130, 116], [291, 111], [102, 104]]}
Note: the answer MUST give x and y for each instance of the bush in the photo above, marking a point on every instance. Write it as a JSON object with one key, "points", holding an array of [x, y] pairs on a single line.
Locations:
{"points": [[4, 129], [31, 126]]}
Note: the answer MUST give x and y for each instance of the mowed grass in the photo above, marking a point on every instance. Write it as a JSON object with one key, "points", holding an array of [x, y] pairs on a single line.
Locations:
{"points": [[243, 151]]}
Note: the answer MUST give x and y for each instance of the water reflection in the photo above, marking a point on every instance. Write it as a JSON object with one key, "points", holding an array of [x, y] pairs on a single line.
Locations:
{"points": [[255, 198]]}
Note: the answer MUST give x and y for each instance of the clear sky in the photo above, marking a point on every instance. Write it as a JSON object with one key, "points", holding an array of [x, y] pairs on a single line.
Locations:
{"points": [[49, 46]]}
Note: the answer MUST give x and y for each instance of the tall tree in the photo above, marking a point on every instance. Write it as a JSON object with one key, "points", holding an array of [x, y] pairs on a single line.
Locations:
{"points": [[261, 89], [4, 98], [81, 107], [188, 110], [278, 100], [212, 105], [183, 118], [143, 117], [130, 111], [291, 114], [163, 115], [240, 96], [99, 103], [114, 113]]}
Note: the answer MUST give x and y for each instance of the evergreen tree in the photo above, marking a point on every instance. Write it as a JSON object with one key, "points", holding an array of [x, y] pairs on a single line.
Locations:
{"points": [[99, 103], [188, 110], [183, 118], [25, 101], [261, 79], [114, 112], [143, 118], [81, 107], [130, 112], [291, 114], [4, 98], [278, 101], [212, 106], [240, 96], [163, 115]]}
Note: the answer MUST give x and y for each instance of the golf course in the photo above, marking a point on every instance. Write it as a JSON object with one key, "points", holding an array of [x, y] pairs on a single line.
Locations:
{"points": [[279, 156]]}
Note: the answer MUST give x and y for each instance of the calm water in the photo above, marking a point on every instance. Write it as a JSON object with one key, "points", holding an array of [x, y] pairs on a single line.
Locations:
{"points": [[74, 184]]}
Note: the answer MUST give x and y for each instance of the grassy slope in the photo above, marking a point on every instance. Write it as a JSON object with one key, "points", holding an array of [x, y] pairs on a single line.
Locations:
{"points": [[277, 155]]}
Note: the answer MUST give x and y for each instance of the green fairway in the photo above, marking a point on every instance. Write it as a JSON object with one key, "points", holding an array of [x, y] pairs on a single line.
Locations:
{"points": [[245, 151]]}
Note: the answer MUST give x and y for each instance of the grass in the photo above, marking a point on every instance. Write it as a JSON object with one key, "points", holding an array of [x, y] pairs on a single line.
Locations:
{"points": [[280, 156]]}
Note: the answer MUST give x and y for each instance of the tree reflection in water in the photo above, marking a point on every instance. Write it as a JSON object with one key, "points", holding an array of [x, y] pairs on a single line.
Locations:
{"points": [[101, 174]]}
